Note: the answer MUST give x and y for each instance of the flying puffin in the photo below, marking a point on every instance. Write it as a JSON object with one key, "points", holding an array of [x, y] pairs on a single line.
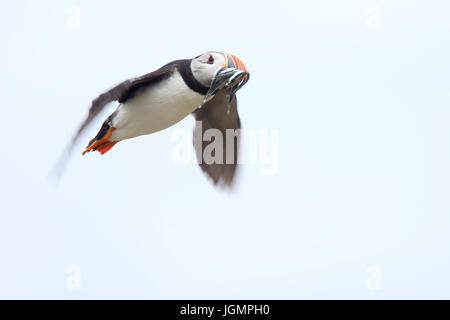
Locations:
{"points": [[204, 86]]}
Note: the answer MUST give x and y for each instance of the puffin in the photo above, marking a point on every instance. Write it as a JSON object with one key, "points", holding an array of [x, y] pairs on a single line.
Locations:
{"points": [[204, 86]]}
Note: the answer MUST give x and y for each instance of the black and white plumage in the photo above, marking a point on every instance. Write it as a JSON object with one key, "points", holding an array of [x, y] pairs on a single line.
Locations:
{"points": [[160, 99]]}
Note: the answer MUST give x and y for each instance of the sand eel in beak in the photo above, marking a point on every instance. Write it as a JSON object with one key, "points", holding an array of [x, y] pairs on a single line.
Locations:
{"points": [[204, 86]]}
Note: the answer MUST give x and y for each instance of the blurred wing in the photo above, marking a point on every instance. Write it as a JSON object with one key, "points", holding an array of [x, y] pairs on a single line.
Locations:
{"points": [[121, 93], [213, 114]]}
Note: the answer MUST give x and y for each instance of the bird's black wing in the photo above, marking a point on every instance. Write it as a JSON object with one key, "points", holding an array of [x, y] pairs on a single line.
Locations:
{"points": [[122, 92], [213, 114]]}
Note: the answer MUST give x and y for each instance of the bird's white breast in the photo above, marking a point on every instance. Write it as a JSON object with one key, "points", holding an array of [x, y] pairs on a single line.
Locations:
{"points": [[154, 108]]}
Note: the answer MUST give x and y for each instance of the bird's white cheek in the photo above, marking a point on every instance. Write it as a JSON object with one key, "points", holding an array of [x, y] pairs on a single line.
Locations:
{"points": [[204, 76]]}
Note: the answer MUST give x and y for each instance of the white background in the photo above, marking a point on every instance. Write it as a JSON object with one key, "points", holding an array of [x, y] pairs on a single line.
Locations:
{"points": [[358, 91]]}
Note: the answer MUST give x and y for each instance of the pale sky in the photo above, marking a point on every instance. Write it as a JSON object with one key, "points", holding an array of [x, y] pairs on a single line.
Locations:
{"points": [[355, 92]]}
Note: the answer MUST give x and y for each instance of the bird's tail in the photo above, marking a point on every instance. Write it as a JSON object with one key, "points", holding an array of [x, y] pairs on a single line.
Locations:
{"points": [[101, 142]]}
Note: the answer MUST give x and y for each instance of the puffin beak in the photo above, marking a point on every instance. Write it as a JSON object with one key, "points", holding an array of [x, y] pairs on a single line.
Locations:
{"points": [[234, 62], [232, 76]]}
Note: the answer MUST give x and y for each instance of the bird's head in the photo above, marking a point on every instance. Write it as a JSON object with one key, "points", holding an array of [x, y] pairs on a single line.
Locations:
{"points": [[218, 70]]}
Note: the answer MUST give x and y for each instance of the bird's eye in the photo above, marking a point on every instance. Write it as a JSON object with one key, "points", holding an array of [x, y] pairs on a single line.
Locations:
{"points": [[210, 60]]}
